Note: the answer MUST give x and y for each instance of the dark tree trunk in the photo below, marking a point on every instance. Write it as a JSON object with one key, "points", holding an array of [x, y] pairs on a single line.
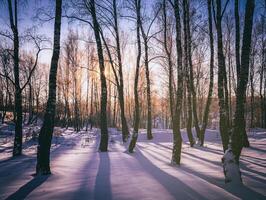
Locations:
{"points": [[264, 105], [125, 131], [189, 115], [173, 108], [103, 123], [224, 129], [237, 52], [237, 40], [91, 105], [46, 133], [239, 132], [252, 89], [168, 53], [30, 104], [114, 109], [188, 78], [17, 149], [177, 139], [209, 98], [147, 76], [262, 83], [187, 36], [136, 95], [87, 96]]}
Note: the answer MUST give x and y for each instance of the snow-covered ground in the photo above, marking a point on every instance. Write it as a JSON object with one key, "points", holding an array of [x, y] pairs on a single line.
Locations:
{"points": [[81, 172]]}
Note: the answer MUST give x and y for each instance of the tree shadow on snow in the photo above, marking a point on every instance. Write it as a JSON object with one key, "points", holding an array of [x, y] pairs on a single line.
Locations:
{"points": [[209, 150], [170, 183], [218, 163], [257, 149], [240, 191], [102, 189], [24, 163], [26, 189]]}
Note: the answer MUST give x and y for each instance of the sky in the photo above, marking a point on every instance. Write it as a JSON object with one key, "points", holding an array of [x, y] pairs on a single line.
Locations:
{"points": [[28, 10]]}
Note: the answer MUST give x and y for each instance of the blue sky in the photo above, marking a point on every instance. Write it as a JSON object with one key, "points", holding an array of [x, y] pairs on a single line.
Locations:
{"points": [[28, 9]]}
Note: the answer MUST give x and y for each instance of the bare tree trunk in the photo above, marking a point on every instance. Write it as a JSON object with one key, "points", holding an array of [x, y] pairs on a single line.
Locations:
{"points": [[17, 149], [264, 104], [46, 133], [114, 109], [252, 89], [238, 63], [125, 131], [147, 75], [30, 103], [188, 78], [231, 157], [136, 95], [87, 96], [168, 52], [239, 132], [262, 83], [103, 124], [230, 84], [224, 129], [177, 139], [209, 98], [187, 39], [91, 105], [237, 39]]}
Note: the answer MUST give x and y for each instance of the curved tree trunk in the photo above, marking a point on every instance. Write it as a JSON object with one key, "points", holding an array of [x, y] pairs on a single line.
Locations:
{"points": [[224, 129], [17, 148], [125, 131], [209, 98], [103, 123], [136, 96], [147, 76], [231, 157], [239, 132], [187, 36], [177, 139], [46, 133]]}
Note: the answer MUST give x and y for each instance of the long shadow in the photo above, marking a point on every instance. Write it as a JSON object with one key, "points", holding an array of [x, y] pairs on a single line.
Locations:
{"points": [[241, 191], [257, 149], [243, 160], [254, 158], [84, 191], [156, 152], [102, 189], [26, 189], [6, 160], [164, 146], [244, 167], [23, 163], [252, 177], [189, 154], [5, 149], [155, 157], [203, 159], [170, 183], [18, 159], [210, 150], [258, 143]]}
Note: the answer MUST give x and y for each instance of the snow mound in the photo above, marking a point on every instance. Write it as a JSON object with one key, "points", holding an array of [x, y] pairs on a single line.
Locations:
{"points": [[231, 168]]}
